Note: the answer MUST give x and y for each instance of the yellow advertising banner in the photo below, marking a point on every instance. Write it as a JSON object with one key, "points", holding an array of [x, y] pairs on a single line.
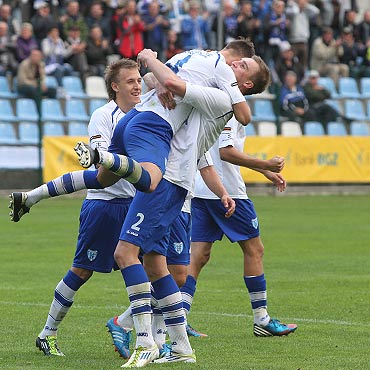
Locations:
{"points": [[307, 159], [59, 156], [313, 159]]}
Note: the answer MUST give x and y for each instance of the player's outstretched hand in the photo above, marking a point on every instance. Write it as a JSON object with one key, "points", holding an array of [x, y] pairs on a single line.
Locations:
{"points": [[276, 164], [145, 55], [277, 179], [229, 204]]}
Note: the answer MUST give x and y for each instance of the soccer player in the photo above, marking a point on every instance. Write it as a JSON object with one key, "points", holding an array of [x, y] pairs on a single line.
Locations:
{"points": [[209, 226], [103, 211]]}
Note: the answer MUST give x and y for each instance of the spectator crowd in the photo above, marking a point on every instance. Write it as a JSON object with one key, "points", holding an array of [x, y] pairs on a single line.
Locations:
{"points": [[330, 37]]}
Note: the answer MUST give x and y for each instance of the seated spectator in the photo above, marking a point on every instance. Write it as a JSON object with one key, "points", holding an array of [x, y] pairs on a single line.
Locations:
{"points": [[31, 77], [42, 21], [7, 17], [294, 104], [25, 42], [72, 19], [96, 17], [77, 52], [96, 52], [55, 52], [174, 45], [156, 26], [8, 62], [316, 96], [325, 55], [365, 64], [194, 28], [288, 62]]}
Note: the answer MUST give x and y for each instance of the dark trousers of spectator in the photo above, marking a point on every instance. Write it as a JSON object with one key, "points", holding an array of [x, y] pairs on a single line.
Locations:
{"points": [[301, 51]]}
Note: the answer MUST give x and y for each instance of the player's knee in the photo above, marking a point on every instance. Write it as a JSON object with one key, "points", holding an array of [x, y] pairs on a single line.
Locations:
{"points": [[82, 273]]}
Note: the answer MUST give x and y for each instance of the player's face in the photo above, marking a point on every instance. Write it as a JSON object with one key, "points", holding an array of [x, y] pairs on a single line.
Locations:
{"points": [[244, 69], [129, 86]]}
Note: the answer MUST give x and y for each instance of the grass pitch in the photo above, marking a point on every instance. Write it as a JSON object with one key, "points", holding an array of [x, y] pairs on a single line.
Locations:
{"points": [[317, 263]]}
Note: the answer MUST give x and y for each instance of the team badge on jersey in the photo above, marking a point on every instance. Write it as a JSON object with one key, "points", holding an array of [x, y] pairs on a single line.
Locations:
{"points": [[255, 222], [91, 255], [179, 247]]}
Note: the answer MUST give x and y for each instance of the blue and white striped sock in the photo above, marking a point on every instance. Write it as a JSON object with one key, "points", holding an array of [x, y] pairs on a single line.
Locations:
{"points": [[256, 286], [187, 293], [169, 299], [159, 329], [63, 300], [65, 184], [138, 289]]}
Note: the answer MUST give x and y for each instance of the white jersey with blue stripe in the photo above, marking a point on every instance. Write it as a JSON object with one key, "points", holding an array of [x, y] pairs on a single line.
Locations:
{"points": [[201, 68], [101, 127], [232, 135]]}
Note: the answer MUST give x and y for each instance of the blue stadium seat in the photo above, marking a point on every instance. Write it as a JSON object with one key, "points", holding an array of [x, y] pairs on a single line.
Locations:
{"points": [[354, 110], [347, 88], [250, 130], [73, 87], [313, 128], [263, 110], [365, 87], [357, 128], [335, 103], [53, 129], [51, 110], [75, 110], [51, 81], [336, 129], [95, 104], [329, 84], [28, 133], [368, 109], [5, 91], [26, 110], [6, 111], [7, 133], [77, 129]]}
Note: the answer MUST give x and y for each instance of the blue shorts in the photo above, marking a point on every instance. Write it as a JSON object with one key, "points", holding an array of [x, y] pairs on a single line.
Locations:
{"points": [[144, 137], [100, 227], [148, 221], [178, 252], [210, 224]]}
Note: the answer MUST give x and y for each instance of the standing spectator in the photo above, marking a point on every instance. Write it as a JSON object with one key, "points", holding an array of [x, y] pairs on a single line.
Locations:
{"points": [[31, 78], [277, 29], [300, 12], [194, 28], [261, 10], [156, 26], [42, 21], [349, 20], [326, 52], [25, 42], [55, 52], [174, 45], [130, 32], [294, 104], [288, 62], [73, 18], [230, 23], [248, 25], [362, 30], [96, 17], [7, 56], [96, 52], [365, 64], [77, 55], [6, 16]]}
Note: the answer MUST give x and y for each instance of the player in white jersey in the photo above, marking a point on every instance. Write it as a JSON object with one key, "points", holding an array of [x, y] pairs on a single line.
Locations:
{"points": [[209, 225], [103, 211]]}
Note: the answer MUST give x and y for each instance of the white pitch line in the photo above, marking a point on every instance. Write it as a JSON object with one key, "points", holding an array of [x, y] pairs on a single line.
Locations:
{"points": [[202, 313]]}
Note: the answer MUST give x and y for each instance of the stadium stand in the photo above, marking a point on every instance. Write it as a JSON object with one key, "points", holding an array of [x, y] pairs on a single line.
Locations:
{"points": [[336, 129], [250, 130], [53, 129], [313, 128], [347, 88], [263, 110], [291, 128], [365, 87], [357, 128], [77, 129], [26, 110], [267, 129], [329, 84], [6, 111], [51, 81], [354, 110], [7, 133], [95, 87], [28, 133], [73, 87], [75, 110], [95, 104], [51, 110], [5, 91]]}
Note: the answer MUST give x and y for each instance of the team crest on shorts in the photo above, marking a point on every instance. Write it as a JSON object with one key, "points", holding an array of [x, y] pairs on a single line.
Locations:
{"points": [[255, 222], [179, 247], [91, 255]]}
